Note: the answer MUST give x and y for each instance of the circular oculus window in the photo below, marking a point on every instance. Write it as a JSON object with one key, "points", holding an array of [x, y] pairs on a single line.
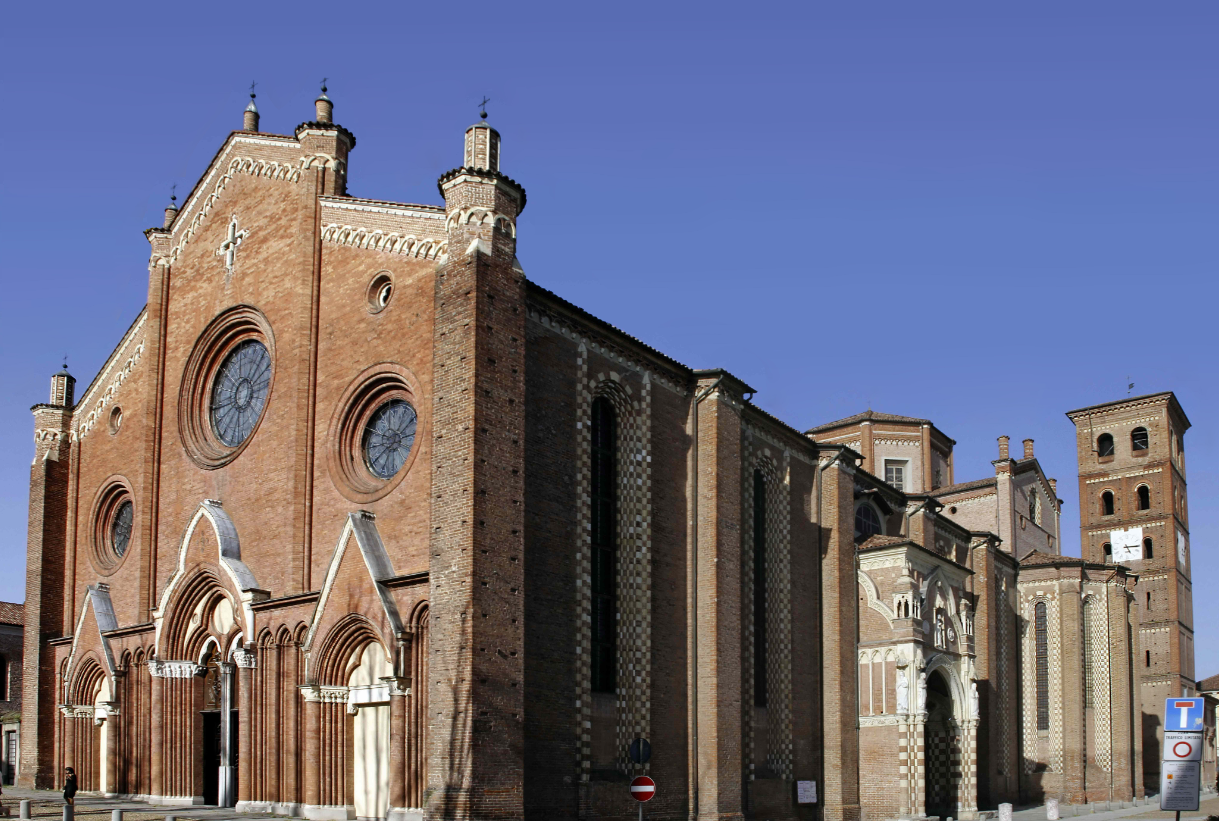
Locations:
{"points": [[380, 290], [120, 528], [373, 433], [226, 386], [113, 525], [388, 437], [239, 392]]}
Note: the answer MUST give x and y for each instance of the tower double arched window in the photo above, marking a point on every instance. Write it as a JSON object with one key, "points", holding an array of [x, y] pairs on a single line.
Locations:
{"points": [[1138, 439], [1104, 445], [604, 519]]}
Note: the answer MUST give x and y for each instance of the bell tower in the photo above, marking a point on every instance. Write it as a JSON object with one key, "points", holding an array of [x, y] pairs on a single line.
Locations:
{"points": [[477, 546], [1134, 511]]}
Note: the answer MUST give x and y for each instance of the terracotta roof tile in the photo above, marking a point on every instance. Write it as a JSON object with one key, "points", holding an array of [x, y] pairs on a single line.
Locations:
{"points": [[961, 487], [872, 416], [1209, 685], [12, 613]]}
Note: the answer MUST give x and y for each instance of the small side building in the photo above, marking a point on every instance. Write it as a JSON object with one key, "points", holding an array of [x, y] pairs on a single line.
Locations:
{"points": [[1208, 688], [12, 629]]}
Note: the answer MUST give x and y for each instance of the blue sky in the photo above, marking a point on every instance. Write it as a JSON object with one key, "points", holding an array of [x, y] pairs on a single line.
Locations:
{"points": [[986, 216]]}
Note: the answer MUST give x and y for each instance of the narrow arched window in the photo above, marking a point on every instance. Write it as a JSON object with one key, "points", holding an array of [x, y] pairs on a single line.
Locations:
{"points": [[1089, 607], [867, 522], [1106, 503], [759, 589], [4, 678], [1041, 637], [1144, 494], [1033, 506], [1104, 445], [1138, 439], [604, 521], [1148, 549], [1108, 550]]}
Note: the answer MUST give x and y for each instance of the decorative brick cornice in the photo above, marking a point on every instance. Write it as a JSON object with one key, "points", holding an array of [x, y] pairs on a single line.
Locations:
{"points": [[392, 242]]}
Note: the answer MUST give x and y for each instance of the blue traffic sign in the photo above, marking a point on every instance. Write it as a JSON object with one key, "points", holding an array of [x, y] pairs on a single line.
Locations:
{"points": [[1183, 714]]}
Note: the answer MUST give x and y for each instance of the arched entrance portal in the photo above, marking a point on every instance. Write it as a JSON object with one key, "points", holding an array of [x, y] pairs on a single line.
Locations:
{"points": [[220, 721], [941, 749]]}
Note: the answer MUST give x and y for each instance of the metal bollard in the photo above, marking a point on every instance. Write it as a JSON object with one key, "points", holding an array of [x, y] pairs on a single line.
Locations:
{"points": [[67, 812], [170, 818], [116, 815], [25, 808]]}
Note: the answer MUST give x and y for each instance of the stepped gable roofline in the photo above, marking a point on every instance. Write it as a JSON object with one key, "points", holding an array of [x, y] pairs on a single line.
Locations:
{"points": [[135, 323], [12, 613], [1173, 405], [963, 487], [1210, 684], [877, 416], [316, 126]]}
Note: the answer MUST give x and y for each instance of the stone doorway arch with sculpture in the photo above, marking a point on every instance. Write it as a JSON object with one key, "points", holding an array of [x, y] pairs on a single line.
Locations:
{"points": [[201, 667], [949, 761]]}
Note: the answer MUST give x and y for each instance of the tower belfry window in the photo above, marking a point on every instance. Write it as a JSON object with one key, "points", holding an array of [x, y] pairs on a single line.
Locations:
{"points": [[604, 546], [1138, 439], [1144, 494], [1104, 445], [1106, 503]]}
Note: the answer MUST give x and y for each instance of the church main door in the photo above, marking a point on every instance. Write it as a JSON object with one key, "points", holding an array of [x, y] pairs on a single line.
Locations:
{"points": [[219, 747], [941, 750]]}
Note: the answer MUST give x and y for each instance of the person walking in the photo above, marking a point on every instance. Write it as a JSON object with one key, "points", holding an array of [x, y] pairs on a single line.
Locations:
{"points": [[69, 787]]}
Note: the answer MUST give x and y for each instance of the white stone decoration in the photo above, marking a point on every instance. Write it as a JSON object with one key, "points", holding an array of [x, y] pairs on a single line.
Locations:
{"points": [[922, 692], [232, 241], [974, 706], [903, 692], [1127, 544]]}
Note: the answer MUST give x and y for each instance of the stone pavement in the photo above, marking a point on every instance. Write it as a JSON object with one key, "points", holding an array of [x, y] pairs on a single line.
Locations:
{"points": [[49, 804], [1207, 806]]}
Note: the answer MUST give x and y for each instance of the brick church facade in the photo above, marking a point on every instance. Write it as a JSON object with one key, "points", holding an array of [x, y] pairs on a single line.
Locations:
{"points": [[358, 522]]}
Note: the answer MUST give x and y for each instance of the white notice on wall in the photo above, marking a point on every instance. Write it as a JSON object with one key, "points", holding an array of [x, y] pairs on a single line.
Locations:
{"points": [[1127, 544], [1179, 782], [1181, 548], [806, 792]]}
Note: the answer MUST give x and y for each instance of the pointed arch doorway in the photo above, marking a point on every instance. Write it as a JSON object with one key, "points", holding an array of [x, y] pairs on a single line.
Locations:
{"points": [[220, 720], [941, 749]]}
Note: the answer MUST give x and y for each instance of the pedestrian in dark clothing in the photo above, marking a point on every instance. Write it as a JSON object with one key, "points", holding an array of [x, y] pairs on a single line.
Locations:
{"points": [[69, 787]]}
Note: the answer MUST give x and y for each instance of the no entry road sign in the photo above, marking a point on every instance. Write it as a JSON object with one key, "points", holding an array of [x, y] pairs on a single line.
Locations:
{"points": [[1182, 746], [643, 788]]}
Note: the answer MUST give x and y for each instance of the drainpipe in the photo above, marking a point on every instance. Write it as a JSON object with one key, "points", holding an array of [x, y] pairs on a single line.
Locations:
{"points": [[692, 605], [818, 489]]}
